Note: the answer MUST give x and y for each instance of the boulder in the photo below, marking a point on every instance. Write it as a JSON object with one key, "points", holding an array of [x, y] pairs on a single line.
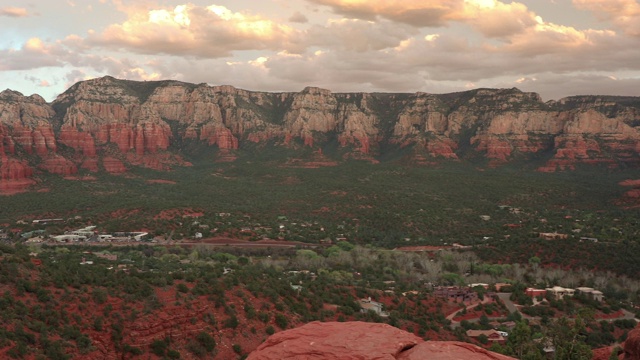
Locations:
{"points": [[632, 345], [362, 341]]}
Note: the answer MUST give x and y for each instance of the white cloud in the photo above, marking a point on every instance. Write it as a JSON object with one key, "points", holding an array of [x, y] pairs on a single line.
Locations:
{"points": [[298, 17], [34, 53], [190, 30], [623, 13], [358, 35], [14, 12]]}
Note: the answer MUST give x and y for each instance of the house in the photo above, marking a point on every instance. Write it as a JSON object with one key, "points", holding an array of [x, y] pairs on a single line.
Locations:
{"points": [[597, 295], [499, 286], [559, 292], [531, 292], [46, 221], [553, 236], [370, 305], [492, 335], [591, 293], [509, 324], [455, 293], [483, 285], [69, 238]]}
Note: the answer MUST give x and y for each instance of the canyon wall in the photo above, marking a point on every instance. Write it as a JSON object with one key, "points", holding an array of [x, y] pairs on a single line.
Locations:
{"points": [[107, 124]]}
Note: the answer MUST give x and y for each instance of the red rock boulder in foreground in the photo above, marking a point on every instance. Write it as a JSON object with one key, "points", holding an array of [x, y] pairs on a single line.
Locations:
{"points": [[363, 341]]}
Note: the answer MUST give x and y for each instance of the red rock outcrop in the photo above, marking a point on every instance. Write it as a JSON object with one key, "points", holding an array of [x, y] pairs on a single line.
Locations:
{"points": [[361, 341], [219, 135], [90, 164], [113, 165], [80, 141], [12, 169], [15, 175], [450, 350], [632, 345], [25, 120], [59, 165], [442, 147], [630, 348]]}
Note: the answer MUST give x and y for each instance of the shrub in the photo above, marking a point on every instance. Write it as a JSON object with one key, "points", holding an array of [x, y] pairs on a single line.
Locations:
{"points": [[181, 287], [231, 322], [282, 321], [159, 347], [99, 296], [207, 341]]}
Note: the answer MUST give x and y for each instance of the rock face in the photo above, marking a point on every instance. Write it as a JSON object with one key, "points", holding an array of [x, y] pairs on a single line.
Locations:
{"points": [[630, 348], [632, 345], [362, 341], [120, 123]]}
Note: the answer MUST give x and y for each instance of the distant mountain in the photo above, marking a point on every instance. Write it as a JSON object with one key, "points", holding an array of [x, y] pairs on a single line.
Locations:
{"points": [[111, 125]]}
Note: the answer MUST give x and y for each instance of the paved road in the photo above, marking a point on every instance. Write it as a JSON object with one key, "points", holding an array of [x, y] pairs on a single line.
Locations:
{"points": [[505, 297], [628, 315]]}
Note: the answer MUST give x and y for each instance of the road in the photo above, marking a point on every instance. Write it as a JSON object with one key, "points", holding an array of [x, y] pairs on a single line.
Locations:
{"points": [[505, 297]]}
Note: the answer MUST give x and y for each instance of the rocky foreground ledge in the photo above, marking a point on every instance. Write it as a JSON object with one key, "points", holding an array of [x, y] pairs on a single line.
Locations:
{"points": [[363, 341]]}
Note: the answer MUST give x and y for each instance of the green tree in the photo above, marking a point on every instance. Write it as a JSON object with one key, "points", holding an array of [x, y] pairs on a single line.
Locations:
{"points": [[521, 344], [569, 339]]}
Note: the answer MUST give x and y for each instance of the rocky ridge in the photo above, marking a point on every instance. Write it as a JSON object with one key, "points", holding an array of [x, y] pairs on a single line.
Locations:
{"points": [[107, 124]]}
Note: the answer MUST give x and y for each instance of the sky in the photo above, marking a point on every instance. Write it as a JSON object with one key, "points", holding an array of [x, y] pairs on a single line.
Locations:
{"points": [[557, 48]]}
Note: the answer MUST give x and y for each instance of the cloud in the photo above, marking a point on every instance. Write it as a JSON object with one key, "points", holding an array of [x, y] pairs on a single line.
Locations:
{"points": [[492, 18], [190, 30], [358, 35], [37, 80], [555, 87], [14, 12], [430, 13], [33, 54], [623, 13], [298, 17], [496, 19]]}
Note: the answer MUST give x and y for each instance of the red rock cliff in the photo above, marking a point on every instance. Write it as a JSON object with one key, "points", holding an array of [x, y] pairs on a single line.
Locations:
{"points": [[119, 124]]}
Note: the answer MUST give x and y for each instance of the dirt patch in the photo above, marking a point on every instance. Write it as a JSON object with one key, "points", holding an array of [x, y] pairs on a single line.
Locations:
{"points": [[171, 214], [160, 181], [81, 178], [630, 182]]}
